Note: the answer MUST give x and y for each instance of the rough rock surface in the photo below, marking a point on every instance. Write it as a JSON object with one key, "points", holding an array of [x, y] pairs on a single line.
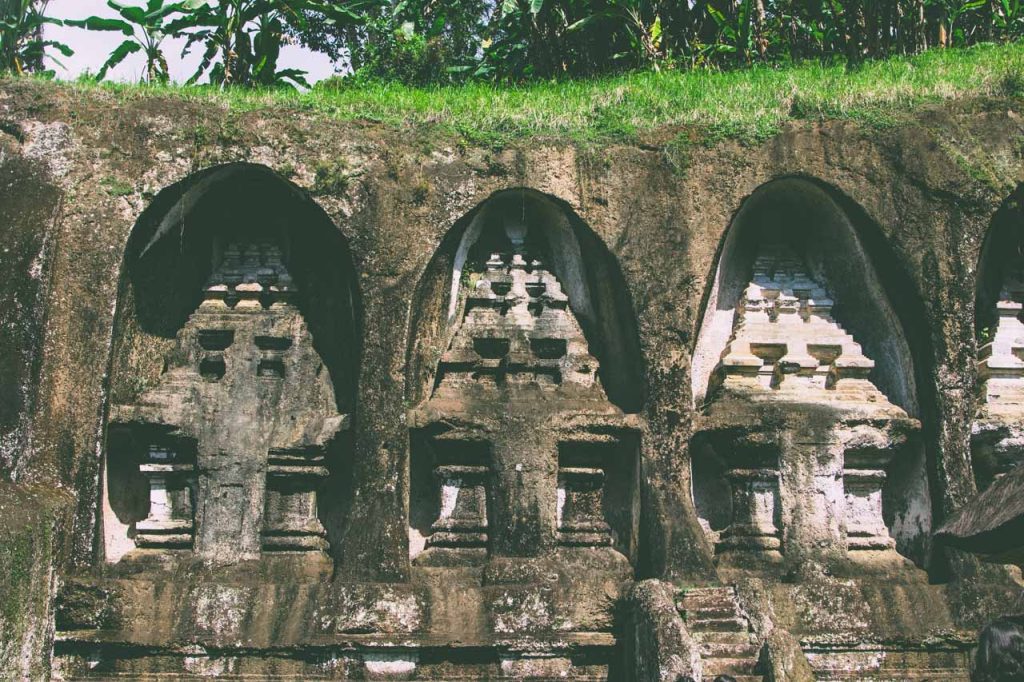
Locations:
{"points": [[660, 647], [116, 212]]}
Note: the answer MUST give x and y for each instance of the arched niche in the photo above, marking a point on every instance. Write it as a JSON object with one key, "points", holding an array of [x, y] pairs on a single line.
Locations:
{"points": [[590, 277], [998, 430], [805, 216], [814, 226], [525, 376], [234, 280]]}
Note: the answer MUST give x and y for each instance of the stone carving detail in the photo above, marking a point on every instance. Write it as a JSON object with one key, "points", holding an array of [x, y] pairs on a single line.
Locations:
{"points": [[261, 443], [169, 473], [998, 430], [518, 332], [786, 339], [865, 526], [462, 518], [519, 376], [788, 351], [755, 503], [581, 516], [290, 521]]}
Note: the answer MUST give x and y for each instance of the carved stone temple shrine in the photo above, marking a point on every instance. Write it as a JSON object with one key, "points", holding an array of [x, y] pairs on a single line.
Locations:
{"points": [[539, 413]]}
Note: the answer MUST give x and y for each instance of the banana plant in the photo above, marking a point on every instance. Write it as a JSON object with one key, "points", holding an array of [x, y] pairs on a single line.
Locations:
{"points": [[22, 47], [641, 20], [146, 27], [1009, 17], [242, 39], [735, 32], [960, 10]]}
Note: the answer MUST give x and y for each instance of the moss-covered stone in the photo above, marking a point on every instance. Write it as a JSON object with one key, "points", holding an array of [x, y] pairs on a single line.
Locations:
{"points": [[34, 517], [27, 214]]}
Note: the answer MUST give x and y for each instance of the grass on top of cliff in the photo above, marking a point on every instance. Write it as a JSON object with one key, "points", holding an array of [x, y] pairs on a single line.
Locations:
{"points": [[747, 104]]}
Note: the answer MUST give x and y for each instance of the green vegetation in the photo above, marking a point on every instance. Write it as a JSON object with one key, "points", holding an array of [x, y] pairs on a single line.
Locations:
{"points": [[115, 187], [146, 29], [747, 104], [333, 177], [432, 42], [22, 47], [242, 39]]}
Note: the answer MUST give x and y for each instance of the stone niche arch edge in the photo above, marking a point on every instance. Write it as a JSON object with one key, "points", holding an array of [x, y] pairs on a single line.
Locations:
{"points": [[176, 244], [591, 278], [823, 227], [998, 422], [572, 307]]}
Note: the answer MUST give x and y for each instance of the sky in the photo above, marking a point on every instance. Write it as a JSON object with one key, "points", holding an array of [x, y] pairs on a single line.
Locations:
{"points": [[93, 47]]}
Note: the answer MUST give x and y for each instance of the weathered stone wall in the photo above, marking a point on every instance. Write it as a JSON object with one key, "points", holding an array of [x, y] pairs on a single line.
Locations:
{"points": [[79, 169], [35, 519]]}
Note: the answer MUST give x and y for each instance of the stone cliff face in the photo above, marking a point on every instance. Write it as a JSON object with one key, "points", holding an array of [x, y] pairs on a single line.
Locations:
{"points": [[288, 397]]}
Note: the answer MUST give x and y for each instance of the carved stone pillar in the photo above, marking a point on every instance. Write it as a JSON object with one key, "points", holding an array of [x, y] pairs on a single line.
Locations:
{"points": [[458, 501], [755, 511], [863, 479], [518, 373], [792, 378], [580, 518], [290, 521], [525, 490], [997, 434], [170, 522], [462, 517]]}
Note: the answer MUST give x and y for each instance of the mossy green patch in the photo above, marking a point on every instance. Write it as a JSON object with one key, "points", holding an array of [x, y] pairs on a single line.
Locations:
{"points": [[677, 154], [333, 177], [26, 561], [115, 187], [420, 192]]}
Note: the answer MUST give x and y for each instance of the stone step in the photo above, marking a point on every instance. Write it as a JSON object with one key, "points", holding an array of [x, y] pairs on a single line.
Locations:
{"points": [[722, 610], [732, 624], [713, 589], [716, 637], [729, 666], [707, 595], [743, 649], [929, 675], [739, 678], [722, 638]]}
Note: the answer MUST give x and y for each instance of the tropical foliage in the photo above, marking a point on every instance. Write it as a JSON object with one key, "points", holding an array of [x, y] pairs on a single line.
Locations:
{"points": [[423, 42], [147, 27], [22, 47], [523, 39], [242, 39]]}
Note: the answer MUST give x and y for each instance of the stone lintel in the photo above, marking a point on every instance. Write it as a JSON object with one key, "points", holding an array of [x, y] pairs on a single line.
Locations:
{"points": [[166, 468], [297, 470]]}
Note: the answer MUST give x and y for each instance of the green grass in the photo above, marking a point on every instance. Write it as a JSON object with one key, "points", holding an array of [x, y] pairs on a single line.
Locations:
{"points": [[747, 104]]}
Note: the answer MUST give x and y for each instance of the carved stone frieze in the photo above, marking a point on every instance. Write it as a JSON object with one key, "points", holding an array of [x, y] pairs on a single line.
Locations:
{"points": [[246, 387], [518, 376], [792, 374]]}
